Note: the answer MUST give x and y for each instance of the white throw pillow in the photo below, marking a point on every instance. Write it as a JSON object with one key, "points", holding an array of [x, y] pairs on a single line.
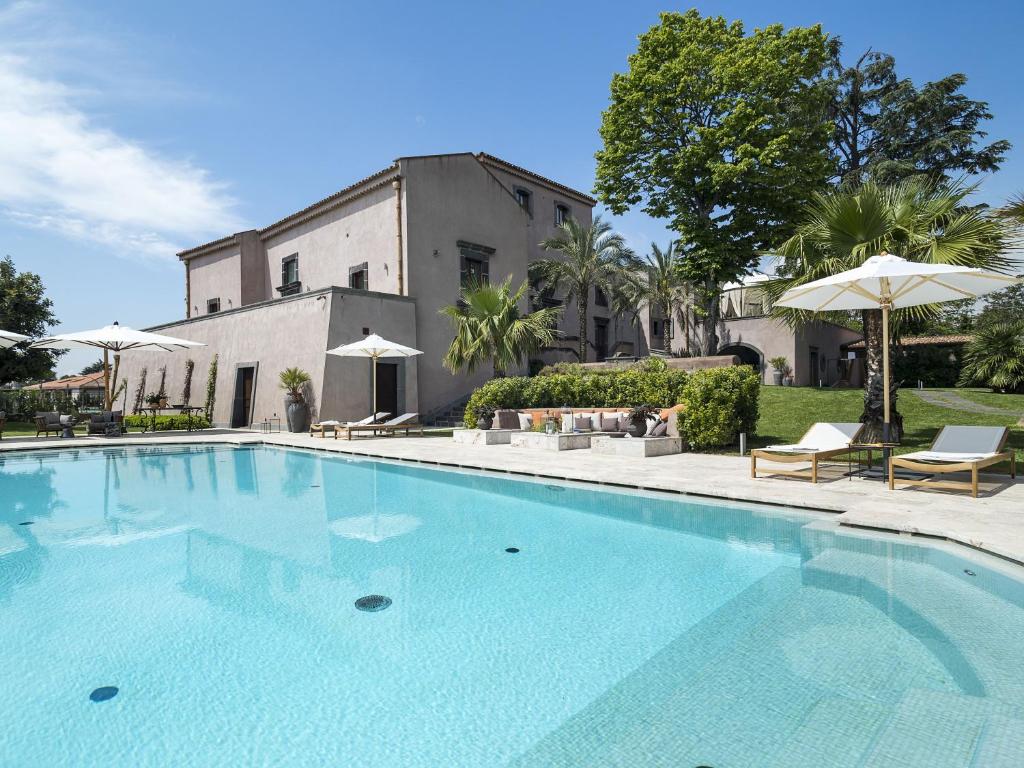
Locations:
{"points": [[525, 422], [652, 422]]}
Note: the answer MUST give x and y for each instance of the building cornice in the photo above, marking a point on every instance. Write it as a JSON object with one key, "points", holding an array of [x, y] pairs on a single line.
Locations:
{"points": [[523, 173]]}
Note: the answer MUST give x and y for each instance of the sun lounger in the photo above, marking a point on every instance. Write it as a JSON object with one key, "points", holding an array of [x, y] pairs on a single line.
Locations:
{"points": [[407, 422], [822, 441], [956, 449], [332, 425]]}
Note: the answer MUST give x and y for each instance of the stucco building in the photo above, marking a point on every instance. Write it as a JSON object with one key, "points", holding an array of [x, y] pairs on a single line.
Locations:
{"points": [[382, 255]]}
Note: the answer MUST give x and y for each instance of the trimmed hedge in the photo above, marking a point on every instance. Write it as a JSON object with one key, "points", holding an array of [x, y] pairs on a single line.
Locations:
{"points": [[164, 423], [648, 382], [720, 403]]}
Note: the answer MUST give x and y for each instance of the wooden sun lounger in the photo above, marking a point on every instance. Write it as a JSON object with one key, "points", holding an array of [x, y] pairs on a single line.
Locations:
{"points": [[794, 455], [940, 460], [407, 423]]}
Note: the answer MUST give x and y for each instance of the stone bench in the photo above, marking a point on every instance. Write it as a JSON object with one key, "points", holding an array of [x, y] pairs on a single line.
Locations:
{"points": [[484, 436], [557, 441], [640, 447]]}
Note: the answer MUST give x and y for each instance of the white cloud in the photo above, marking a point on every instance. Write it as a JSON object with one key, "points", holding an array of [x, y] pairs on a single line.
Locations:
{"points": [[62, 171]]}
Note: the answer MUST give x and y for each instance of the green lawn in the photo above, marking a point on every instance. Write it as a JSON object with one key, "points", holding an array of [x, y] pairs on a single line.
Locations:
{"points": [[787, 412], [19, 429]]}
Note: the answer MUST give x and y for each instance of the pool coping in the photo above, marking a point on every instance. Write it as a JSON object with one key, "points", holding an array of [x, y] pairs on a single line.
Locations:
{"points": [[931, 510]]}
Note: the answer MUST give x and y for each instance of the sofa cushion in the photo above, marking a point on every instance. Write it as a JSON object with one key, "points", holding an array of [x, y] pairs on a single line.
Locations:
{"points": [[610, 422], [525, 422], [584, 423], [660, 429], [506, 419]]}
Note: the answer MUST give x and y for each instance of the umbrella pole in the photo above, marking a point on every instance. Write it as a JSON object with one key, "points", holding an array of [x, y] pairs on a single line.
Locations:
{"points": [[106, 379], [374, 411], [885, 373]]}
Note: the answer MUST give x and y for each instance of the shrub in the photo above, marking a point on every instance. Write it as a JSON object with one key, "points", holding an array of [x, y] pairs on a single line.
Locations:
{"points": [[644, 383], [163, 423], [720, 403], [995, 358]]}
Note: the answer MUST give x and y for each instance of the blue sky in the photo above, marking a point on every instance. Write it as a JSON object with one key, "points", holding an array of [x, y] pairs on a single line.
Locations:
{"points": [[130, 130]]}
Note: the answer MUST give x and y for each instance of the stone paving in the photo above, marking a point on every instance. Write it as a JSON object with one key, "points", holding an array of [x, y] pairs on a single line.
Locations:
{"points": [[993, 523]]}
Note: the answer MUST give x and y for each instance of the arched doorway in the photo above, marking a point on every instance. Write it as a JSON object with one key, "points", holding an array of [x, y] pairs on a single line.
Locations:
{"points": [[748, 355]]}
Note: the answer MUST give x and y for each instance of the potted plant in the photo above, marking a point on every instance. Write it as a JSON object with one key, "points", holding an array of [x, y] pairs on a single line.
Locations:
{"points": [[636, 419], [484, 416], [293, 382], [779, 366], [787, 376], [153, 400]]}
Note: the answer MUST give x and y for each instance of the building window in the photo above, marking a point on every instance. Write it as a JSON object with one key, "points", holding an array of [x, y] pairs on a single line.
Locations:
{"points": [[474, 263], [212, 305], [562, 214], [600, 297], [655, 328], [359, 277], [524, 197], [290, 276]]}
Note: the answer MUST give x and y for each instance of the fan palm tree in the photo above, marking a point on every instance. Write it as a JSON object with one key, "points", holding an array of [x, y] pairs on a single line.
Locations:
{"points": [[490, 327], [995, 358], [1014, 210], [590, 257], [916, 219], [664, 288]]}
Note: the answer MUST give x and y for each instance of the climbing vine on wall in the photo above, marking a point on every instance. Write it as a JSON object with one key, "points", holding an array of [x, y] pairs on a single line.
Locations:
{"points": [[211, 389]]}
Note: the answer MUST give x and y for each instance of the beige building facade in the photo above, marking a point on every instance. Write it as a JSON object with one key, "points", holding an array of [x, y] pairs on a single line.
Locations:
{"points": [[383, 256]]}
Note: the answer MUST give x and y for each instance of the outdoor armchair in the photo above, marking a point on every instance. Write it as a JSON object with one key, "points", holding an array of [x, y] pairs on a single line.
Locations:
{"points": [[822, 441], [47, 422], [956, 449]]}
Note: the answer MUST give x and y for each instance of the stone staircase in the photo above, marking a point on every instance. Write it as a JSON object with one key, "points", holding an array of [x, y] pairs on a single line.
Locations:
{"points": [[449, 415]]}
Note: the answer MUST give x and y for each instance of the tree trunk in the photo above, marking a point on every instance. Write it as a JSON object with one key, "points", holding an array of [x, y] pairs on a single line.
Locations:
{"points": [[711, 310], [666, 337], [873, 415], [582, 306]]}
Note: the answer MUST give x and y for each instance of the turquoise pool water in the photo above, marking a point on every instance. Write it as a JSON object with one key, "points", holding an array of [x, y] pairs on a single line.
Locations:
{"points": [[215, 588]]}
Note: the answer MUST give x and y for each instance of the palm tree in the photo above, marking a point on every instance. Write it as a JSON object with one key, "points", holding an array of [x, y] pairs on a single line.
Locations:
{"points": [[995, 358], [1014, 210], [916, 219], [591, 257], [489, 327], [663, 287], [627, 299]]}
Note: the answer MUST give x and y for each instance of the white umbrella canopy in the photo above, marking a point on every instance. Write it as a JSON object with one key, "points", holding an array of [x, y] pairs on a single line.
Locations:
{"points": [[889, 282], [10, 338], [114, 338], [373, 346]]}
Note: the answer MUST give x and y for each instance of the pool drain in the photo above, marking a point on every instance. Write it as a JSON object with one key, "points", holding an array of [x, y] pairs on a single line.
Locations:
{"points": [[969, 572], [27, 522], [373, 603], [104, 693], [557, 488], [512, 550]]}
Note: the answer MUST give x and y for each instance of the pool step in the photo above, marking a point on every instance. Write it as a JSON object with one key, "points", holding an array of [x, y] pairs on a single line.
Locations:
{"points": [[642, 720]]}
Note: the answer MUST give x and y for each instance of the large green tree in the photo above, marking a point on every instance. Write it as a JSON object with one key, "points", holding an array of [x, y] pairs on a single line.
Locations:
{"points": [[721, 132], [916, 219], [25, 309], [489, 327], [887, 129], [587, 258]]}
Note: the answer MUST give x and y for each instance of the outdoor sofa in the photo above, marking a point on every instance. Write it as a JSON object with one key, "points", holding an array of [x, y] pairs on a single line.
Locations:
{"points": [[407, 422], [822, 441], [106, 423], [47, 422], [956, 449], [603, 420]]}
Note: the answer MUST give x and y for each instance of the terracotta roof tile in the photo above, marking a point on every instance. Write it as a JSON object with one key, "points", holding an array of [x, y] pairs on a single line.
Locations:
{"points": [[924, 341]]}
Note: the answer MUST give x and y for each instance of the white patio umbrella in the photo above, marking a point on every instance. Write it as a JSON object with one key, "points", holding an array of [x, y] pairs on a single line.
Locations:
{"points": [[10, 338], [114, 338], [888, 282], [373, 346]]}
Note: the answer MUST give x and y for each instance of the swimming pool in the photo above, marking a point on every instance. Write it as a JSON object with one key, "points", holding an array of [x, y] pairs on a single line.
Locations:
{"points": [[215, 589]]}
